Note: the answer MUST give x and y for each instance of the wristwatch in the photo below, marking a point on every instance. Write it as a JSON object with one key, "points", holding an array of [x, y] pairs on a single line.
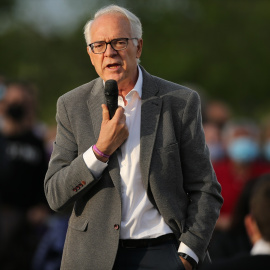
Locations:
{"points": [[189, 259]]}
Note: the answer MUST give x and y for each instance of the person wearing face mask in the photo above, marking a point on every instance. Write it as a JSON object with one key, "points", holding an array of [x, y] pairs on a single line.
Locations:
{"points": [[243, 162], [23, 165]]}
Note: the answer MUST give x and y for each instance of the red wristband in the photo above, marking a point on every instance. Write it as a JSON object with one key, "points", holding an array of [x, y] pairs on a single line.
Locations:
{"points": [[99, 152]]}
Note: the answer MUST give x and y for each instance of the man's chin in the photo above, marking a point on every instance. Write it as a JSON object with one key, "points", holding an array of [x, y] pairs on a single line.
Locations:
{"points": [[116, 77]]}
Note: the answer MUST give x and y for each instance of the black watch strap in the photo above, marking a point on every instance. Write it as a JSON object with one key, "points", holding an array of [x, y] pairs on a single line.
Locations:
{"points": [[189, 259]]}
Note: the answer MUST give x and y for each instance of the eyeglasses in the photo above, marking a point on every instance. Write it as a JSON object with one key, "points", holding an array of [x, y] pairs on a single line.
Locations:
{"points": [[117, 44]]}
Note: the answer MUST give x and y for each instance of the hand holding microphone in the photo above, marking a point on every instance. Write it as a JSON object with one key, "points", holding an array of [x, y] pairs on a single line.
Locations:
{"points": [[113, 130]]}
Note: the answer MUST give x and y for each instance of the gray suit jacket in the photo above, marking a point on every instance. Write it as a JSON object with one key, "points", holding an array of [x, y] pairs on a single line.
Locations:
{"points": [[176, 172]]}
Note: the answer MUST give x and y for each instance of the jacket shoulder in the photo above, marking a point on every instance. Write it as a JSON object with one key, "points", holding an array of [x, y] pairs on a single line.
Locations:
{"points": [[81, 91], [167, 87], [162, 86]]}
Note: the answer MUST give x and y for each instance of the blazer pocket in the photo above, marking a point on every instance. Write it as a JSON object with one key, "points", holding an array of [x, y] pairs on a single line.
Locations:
{"points": [[78, 224], [183, 225]]}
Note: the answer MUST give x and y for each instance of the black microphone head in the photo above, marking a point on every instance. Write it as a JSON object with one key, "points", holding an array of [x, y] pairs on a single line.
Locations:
{"points": [[111, 88], [111, 96]]}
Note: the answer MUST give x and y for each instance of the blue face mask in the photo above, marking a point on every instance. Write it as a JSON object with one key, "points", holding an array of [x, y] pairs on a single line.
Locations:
{"points": [[266, 150], [243, 149]]}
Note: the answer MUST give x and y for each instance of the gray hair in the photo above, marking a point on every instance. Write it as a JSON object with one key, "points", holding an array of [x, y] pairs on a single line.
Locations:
{"points": [[135, 24]]}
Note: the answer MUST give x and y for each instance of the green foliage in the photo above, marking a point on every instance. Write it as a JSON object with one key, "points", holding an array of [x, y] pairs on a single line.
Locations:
{"points": [[221, 47], [6, 5]]}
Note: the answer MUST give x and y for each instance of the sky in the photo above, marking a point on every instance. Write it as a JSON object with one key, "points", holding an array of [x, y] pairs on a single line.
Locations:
{"points": [[52, 16]]}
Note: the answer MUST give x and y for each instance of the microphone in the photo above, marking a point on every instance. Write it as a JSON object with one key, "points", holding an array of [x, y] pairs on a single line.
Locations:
{"points": [[111, 96]]}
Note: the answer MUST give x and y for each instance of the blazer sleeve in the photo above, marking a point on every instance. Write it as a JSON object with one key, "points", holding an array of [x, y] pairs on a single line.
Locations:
{"points": [[68, 176], [200, 181]]}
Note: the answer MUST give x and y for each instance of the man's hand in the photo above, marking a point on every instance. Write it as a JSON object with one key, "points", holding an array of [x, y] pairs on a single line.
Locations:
{"points": [[113, 132], [186, 264]]}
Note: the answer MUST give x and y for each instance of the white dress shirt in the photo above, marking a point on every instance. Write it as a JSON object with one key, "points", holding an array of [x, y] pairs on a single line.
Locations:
{"points": [[261, 247], [140, 219]]}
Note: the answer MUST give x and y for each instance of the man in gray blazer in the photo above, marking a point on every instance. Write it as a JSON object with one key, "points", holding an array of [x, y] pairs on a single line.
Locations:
{"points": [[140, 187]]}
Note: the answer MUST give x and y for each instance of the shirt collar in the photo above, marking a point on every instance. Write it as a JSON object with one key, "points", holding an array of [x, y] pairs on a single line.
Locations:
{"points": [[138, 85], [133, 94]]}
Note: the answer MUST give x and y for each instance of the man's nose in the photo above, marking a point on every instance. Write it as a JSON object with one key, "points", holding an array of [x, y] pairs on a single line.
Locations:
{"points": [[110, 51]]}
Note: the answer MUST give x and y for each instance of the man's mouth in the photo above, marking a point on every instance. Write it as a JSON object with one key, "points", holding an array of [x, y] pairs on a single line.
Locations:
{"points": [[113, 66]]}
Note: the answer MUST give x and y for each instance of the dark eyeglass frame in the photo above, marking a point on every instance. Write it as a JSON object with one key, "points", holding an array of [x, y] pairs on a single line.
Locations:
{"points": [[113, 40]]}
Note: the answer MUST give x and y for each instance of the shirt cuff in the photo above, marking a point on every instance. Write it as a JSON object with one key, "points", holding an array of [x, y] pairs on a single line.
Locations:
{"points": [[95, 166], [185, 249]]}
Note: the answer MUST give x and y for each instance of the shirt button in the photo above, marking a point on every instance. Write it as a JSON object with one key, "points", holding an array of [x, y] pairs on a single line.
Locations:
{"points": [[116, 226]]}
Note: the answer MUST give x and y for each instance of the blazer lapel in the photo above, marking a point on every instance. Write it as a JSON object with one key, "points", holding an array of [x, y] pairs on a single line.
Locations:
{"points": [[94, 104], [150, 113]]}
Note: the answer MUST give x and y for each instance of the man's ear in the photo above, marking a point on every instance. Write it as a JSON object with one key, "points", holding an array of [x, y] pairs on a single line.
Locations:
{"points": [[90, 54], [139, 48], [252, 229]]}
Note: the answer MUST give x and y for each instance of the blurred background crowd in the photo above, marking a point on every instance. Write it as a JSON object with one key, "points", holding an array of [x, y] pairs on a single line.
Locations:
{"points": [[218, 48]]}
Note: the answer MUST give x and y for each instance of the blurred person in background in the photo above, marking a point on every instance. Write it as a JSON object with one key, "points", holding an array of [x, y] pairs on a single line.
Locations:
{"points": [[50, 248], [257, 226], [234, 240], [49, 139], [265, 141], [2, 92], [242, 163], [214, 142], [49, 251], [217, 112], [23, 207]]}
